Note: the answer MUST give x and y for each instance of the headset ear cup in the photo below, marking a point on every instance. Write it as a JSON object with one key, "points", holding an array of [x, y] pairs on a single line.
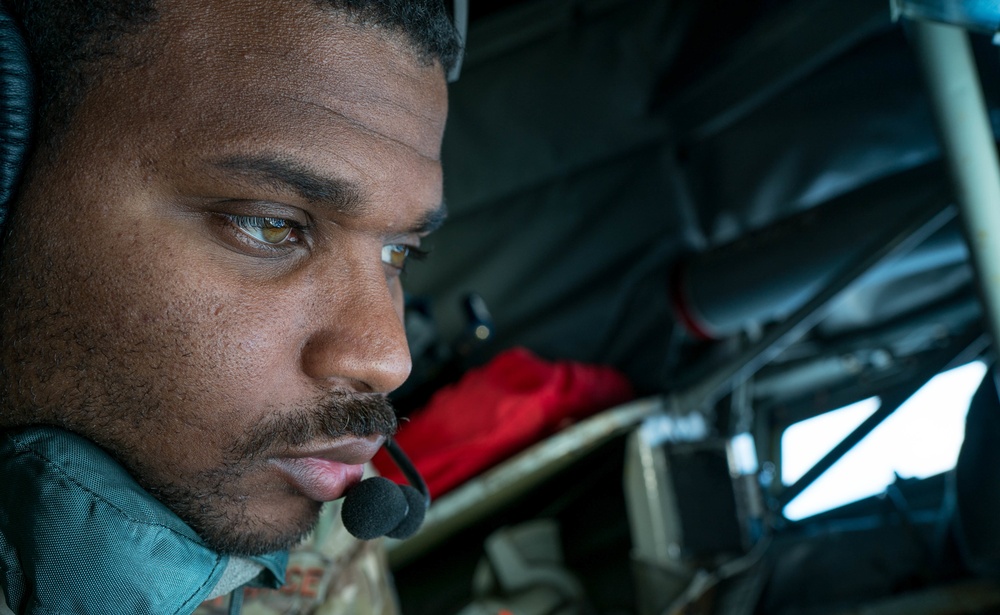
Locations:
{"points": [[17, 107]]}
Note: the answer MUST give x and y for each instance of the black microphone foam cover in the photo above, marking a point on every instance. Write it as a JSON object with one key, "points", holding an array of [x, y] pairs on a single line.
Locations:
{"points": [[414, 517], [373, 507]]}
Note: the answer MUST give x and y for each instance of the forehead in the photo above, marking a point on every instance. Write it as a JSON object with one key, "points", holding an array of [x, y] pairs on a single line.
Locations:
{"points": [[302, 53], [237, 69]]}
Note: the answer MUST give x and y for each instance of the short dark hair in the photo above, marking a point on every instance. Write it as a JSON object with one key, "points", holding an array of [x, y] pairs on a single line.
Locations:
{"points": [[69, 40]]}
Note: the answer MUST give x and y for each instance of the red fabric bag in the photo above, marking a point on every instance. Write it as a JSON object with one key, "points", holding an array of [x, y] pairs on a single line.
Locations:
{"points": [[498, 410]]}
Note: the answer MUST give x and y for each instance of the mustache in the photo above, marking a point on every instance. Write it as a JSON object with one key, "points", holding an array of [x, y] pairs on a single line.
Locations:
{"points": [[339, 415]]}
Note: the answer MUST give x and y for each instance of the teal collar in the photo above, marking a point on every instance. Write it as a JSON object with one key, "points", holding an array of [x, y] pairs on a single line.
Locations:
{"points": [[78, 535]]}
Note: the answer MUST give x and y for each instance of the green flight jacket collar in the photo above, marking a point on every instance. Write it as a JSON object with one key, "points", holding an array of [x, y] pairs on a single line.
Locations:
{"points": [[78, 535]]}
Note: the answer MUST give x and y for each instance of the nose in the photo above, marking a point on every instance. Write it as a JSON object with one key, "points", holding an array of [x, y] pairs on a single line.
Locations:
{"points": [[359, 341]]}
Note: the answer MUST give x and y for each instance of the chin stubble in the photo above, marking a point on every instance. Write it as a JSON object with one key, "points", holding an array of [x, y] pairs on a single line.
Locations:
{"points": [[218, 504]]}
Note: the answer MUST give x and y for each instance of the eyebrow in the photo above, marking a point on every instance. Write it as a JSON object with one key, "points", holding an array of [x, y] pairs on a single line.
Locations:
{"points": [[432, 220], [342, 195], [284, 175]]}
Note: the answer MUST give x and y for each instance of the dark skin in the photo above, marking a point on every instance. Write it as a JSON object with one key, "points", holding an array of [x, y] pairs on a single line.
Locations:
{"points": [[208, 274]]}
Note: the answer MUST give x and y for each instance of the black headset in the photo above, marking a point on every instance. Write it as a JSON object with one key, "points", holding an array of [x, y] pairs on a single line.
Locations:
{"points": [[17, 107], [372, 508]]}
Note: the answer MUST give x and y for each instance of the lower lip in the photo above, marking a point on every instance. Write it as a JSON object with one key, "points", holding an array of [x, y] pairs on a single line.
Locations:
{"points": [[319, 479]]}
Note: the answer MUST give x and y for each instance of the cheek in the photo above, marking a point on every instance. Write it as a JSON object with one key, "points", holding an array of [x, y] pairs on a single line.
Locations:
{"points": [[185, 329]]}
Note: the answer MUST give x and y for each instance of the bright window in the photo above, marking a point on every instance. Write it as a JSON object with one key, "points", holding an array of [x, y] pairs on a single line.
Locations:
{"points": [[920, 439]]}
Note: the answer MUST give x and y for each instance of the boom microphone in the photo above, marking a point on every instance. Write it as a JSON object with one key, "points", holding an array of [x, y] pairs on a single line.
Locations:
{"points": [[379, 507]]}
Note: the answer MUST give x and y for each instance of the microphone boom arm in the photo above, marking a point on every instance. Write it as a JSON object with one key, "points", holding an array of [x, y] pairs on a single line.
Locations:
{"points": [[408, 469]]}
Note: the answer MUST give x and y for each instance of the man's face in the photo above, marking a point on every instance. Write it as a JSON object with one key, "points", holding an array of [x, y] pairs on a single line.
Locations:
{"points": [[206, 283]]}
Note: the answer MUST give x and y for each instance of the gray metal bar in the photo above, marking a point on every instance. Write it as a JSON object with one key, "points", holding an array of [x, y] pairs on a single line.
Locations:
{"points": [[980, 15], [506, 482], [969, 147]]}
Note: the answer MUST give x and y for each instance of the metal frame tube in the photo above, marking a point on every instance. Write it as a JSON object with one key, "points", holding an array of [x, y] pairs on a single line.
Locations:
{"points": [[966, 134]]}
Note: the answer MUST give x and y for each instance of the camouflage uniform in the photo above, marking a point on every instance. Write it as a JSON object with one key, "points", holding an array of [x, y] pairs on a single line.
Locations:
{"points": [[330, 573]]}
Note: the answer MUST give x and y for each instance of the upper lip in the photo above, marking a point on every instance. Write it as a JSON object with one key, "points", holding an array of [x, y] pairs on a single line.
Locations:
{"points": [[349, 450]]}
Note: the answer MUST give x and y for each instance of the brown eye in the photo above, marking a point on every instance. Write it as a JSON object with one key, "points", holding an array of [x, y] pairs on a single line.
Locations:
{"points": [[395, 255], [272, 231]]}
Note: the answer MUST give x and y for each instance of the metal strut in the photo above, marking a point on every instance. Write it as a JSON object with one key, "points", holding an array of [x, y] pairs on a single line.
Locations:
{"points": [[969, 147]]}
